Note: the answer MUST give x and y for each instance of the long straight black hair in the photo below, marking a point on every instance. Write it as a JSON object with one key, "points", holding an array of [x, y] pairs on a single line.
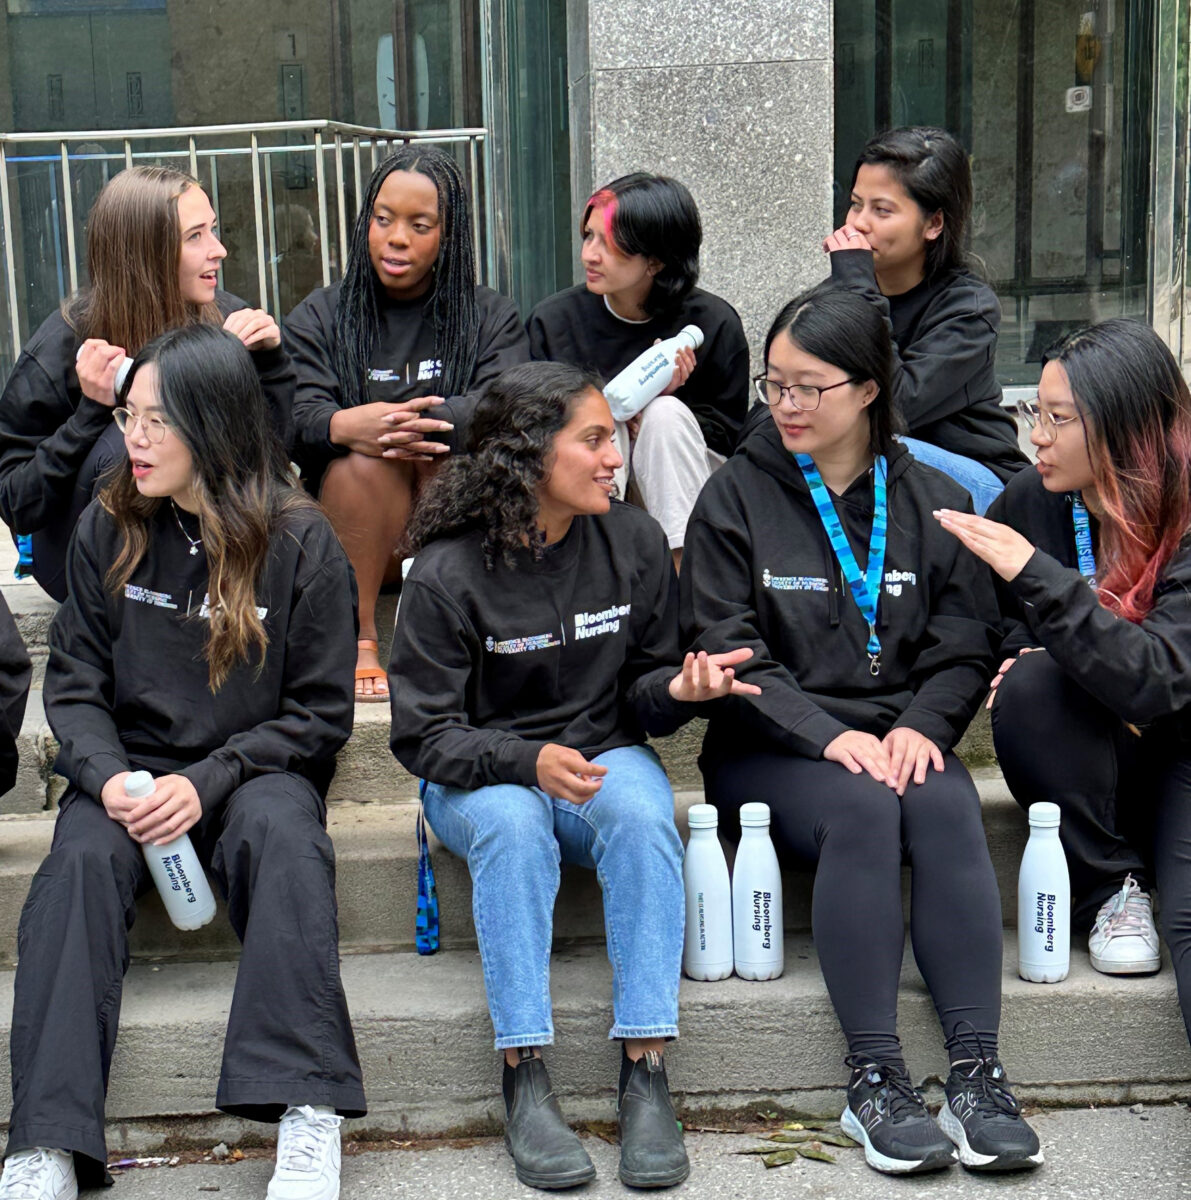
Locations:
{"points": [[209, 392], [842, 328], [452, 298]]}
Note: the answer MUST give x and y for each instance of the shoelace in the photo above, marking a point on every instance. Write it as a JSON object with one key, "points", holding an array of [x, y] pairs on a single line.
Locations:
{"points": [[986, 1078], [303, 1138], [1128, 913], [22, 1180], [903, 1099]]}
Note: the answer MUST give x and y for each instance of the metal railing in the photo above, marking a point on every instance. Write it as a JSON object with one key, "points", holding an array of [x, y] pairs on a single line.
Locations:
{"points": [[57, 175]]}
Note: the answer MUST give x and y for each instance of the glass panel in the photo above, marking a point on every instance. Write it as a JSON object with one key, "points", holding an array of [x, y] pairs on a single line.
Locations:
{"points": [[1052, 98], [538, 154]]}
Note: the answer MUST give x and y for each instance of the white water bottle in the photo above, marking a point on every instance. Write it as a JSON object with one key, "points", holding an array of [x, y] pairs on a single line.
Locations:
{"points": [[707, 952], [757, 942], [649, 374], [175, 868], [1044, 901]]}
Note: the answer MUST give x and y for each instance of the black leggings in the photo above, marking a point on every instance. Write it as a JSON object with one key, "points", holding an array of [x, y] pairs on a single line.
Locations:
{"points": [[858, 830], [1125, 799]]}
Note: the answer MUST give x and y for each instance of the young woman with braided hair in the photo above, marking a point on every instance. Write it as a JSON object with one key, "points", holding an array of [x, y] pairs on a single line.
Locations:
{"points": [[390, 361]]}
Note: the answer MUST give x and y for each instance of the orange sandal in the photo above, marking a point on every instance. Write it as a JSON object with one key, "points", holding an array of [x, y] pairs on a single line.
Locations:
{"points": [[373, 673]]}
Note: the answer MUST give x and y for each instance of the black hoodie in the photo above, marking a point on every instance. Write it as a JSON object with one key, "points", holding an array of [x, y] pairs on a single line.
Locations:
{"points": [[404, 366], [577, 649], [758, 570], [1046, 519], [15, 674], [1141, 672], [574, 326], [48, 427], [944, 360], [126, 684]]}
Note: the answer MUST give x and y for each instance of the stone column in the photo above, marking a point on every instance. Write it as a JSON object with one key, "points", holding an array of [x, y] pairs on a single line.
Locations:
{"points": [[733, 97]]}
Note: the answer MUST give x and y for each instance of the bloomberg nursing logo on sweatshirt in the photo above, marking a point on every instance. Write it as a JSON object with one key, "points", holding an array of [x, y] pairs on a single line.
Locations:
{"points": [[589, 625]]}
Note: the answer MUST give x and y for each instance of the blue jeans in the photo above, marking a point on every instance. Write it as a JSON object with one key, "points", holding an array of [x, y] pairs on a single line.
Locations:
{"points": [[984, 486], [514, 839]]}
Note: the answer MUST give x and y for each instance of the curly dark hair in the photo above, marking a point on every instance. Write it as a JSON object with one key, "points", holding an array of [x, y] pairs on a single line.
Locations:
{"points": [[494, 486]]}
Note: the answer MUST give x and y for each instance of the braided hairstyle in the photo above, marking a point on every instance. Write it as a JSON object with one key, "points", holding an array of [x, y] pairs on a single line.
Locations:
{"points": [[452, 298]]}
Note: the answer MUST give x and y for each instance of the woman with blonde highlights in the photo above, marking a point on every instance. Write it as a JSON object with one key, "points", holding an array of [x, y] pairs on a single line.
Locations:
{"points": [[206, 639], [153, 259], [1094, 563]]}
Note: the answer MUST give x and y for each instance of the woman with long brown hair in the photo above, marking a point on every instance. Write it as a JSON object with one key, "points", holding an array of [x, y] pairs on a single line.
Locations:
{"points": [[1094, 563], [153, 259], [206, 639]]}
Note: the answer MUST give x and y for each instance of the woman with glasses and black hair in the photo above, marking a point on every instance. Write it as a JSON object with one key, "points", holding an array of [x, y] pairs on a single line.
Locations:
{"points": [[641, 236], [902, 248], [1093, 562], [390, 362], [207, 639], [865, 687], [153, 260]]}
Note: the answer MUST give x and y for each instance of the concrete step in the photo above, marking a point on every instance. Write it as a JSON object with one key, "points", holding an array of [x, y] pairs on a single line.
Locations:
{"points": [[425, 1040], [366, 769], [376, 851]]}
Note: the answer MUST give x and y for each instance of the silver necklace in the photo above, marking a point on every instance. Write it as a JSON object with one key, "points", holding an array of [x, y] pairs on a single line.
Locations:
{"points": [[195, 543]]}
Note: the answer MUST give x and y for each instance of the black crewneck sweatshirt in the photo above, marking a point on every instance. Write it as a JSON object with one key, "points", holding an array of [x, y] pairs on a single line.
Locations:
{"points": [[578, 649], [126, 684], [404, 366], [48, 427], [945, 384], [758, 570], [574, 326]]}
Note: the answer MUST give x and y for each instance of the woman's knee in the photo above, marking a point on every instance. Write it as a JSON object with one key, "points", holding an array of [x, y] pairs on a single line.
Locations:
{"points": [[635, 799], [505, 821], [278, 811], [861, 822]]}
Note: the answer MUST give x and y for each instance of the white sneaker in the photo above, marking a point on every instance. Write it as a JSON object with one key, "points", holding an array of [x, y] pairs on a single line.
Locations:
{"points": [[39, 1174], [307, 1155], [1124, 941]]}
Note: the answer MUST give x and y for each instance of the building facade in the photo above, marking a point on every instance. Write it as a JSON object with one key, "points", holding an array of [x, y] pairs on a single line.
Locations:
{"points": [[1075, 113]]}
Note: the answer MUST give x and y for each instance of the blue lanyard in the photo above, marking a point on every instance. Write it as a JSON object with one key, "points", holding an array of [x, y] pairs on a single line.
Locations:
{"points": [[1083, 538], [865, 591]]}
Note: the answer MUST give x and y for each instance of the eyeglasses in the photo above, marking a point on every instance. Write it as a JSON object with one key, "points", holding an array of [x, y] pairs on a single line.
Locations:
{"points": [[803, 396], [154, 427], [1035, 416]]}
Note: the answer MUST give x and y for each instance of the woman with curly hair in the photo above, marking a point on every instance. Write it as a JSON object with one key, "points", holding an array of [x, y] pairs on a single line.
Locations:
{"points": [[204, 641], [390, 361], [1093, 557], [537, 645], [153, 260]]}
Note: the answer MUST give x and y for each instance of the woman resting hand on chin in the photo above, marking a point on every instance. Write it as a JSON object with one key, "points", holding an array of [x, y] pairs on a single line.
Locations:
{"points": [[536, 647], [866, 685]]}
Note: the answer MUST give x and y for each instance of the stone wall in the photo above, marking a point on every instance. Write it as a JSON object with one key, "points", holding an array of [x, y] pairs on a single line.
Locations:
{"points": [[734, 100]]}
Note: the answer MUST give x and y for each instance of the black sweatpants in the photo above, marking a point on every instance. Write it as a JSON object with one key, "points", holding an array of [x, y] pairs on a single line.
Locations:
{"points": [[858, 830], [1125, 799], [289, 1038]]}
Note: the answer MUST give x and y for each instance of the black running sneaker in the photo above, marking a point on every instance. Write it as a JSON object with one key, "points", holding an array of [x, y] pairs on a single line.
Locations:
{"points": [[983, 1118], [888, 1117]]}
